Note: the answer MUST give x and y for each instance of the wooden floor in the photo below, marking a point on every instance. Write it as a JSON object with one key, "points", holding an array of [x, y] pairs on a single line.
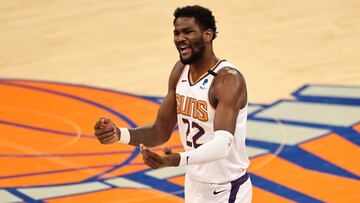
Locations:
{"points": [[65, 63], [278, 45]]}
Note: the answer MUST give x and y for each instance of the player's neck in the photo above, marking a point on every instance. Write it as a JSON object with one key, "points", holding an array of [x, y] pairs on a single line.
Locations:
{"points": [[201, 66]]}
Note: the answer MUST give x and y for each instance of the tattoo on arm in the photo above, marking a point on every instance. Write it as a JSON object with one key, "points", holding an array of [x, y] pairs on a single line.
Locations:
{"points": [[144, 135]]}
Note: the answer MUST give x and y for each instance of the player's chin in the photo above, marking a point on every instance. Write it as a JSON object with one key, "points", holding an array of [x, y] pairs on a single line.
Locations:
{"points": [[185, 59]]}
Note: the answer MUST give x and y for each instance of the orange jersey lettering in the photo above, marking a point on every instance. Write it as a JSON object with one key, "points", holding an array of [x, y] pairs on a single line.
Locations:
{"points": [[191, 107]]}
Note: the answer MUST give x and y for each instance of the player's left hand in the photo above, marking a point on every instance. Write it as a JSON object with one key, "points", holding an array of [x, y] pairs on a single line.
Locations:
{"points": [[155, 160], [106, 131]]}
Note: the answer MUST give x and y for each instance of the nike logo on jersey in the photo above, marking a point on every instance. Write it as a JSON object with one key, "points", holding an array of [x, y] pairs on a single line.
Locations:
{"points": [[183, 80], [217, 192]]}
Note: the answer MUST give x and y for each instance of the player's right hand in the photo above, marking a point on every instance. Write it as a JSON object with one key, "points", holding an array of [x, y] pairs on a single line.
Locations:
{"points": [[106, 131]]}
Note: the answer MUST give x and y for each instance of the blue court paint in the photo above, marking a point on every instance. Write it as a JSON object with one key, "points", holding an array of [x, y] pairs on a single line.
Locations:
{"points": [[280, 190]]}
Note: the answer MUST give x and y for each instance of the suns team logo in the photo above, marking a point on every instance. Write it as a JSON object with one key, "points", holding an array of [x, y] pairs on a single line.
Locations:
{"points": [[298, 148], [192, 107]]}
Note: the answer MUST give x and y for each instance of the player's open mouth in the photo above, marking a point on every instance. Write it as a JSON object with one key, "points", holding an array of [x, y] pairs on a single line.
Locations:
{"points": [[184, 49]]}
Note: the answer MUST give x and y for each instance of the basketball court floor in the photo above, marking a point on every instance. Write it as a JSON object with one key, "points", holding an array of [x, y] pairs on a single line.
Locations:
{"points": [[64, 64]]}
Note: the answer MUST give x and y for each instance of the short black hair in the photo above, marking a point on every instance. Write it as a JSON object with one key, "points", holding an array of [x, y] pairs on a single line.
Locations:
{"points": [[203, 16]]}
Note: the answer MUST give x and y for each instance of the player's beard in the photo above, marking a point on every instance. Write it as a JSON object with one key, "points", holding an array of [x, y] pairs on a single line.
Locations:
{"points": [[197, 51]]}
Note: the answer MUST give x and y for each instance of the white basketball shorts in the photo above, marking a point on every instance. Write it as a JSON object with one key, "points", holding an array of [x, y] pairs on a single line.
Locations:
{"points": [[237, 191]]}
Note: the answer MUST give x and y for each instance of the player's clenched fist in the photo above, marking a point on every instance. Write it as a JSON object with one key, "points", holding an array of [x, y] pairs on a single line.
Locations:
{"points": [[106, 131]]}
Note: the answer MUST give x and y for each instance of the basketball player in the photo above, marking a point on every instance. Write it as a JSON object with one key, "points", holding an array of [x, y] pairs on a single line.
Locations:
{"points": [[207, 99]]}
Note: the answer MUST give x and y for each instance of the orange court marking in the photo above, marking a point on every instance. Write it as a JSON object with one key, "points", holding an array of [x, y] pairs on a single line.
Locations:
{"points": [[312, 183], [179, 180], [337, 150], [131, 105], [56, 134], [52, 178], [75, 111], [49, 141], [357, 127], [46, 142], [127, 169]]}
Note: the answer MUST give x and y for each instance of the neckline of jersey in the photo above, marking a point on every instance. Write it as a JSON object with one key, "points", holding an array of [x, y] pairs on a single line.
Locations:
{"points": [[191, 83]]}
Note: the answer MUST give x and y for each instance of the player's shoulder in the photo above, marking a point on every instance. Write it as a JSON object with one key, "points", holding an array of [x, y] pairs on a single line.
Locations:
{"points": [[175, 74], [229, 75], [230, 86], [178, 68]]}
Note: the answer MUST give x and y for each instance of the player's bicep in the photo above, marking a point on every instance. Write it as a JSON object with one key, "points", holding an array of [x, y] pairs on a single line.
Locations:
{"points": [[225, 117], [230, 90], [167, 116]]}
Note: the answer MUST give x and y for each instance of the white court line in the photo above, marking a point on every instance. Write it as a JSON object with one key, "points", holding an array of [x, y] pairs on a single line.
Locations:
{"points": [[7, 197], [308, 112], [124, 182], [340, 92], [39, 193], [167, 172], [271, 132]]}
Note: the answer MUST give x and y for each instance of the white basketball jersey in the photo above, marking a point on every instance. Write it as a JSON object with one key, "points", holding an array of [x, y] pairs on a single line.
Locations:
{"points": [[195, 116]]}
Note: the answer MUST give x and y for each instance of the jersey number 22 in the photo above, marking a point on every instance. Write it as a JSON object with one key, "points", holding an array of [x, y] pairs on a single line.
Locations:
{"points": [[196, 136]]}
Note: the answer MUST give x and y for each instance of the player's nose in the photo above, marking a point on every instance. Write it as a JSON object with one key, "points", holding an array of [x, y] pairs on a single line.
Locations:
{"points": [[180, 38]]}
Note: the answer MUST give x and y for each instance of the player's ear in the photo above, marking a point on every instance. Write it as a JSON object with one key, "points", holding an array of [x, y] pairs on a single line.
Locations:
{"points": [[208, 35]]}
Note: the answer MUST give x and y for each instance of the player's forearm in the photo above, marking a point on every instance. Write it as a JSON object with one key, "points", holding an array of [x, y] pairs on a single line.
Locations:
{"points": [[148, 135], [215, 149]]}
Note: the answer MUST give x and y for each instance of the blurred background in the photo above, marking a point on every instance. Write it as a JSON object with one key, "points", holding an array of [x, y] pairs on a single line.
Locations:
{"points": [[63, 64]]}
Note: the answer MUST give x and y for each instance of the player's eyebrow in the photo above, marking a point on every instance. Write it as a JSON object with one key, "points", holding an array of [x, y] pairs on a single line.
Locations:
{"points": [[184, 29]]}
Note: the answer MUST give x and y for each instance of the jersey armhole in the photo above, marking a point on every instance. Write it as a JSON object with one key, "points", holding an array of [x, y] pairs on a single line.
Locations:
{"points": [[181, 74]]}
